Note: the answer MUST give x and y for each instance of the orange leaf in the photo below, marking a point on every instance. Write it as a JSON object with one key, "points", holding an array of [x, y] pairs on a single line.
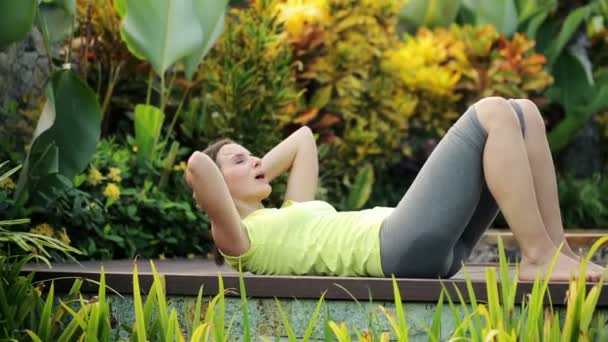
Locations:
{"points": [[305, 117], [327, 121]]}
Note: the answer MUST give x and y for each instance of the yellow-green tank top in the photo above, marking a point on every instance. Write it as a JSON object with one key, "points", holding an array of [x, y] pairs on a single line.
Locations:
{"points": [[312, 238]]}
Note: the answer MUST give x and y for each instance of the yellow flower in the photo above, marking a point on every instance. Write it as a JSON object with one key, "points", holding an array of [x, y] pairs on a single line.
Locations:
{"points": [[94, 177], [296, 14], [114, 174], [112, 191], [63, 236], [180, 167], [7, 184], [135, 149], [43, 229]]}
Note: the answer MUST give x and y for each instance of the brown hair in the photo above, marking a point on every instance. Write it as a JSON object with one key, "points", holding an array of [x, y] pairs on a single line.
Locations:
{"points": [[212, 151]]}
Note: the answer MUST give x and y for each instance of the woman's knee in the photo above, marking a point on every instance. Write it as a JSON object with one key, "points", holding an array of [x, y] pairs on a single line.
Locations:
{"points": [[532, 115], [496, 113]]}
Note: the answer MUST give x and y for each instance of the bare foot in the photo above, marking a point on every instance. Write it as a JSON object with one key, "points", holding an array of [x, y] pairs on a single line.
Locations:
{"points": [[565, 268], [591, 266]]}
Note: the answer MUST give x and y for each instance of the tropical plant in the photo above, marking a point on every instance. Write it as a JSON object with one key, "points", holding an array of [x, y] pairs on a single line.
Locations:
{"points": [[350, 97], [580, 90], [15, 26], [64, 140], [183, 33], [584, 201], [54, 158], [462, 64], [247, 86], [120, 209], [500, 66], [104, 60], [20, 299]]}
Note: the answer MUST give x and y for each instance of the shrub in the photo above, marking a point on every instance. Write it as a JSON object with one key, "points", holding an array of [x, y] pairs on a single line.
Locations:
{"points": [[584, 202], [246, 84], [349, 98], [466, 63], [120, 209], [104, 60]]}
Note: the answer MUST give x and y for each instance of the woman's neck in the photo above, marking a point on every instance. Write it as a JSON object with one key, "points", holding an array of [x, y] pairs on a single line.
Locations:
{"points": [[245, 208]]}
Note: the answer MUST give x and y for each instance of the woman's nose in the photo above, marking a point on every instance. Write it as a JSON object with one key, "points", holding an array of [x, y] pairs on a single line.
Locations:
{"points": [[257, 162]]}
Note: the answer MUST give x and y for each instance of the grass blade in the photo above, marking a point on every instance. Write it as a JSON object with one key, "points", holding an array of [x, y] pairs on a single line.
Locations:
{"points": [[104, 308], [244, 307], [327, 331], [290, 333], [197, 311], [93, 323], [313, 320], [76, 322], [44, 328], [170, 330], [436, 325], [220, 321], [199, 332], [33, 336], [403, 328], [163, 315], [140, 324], [493, 298]]}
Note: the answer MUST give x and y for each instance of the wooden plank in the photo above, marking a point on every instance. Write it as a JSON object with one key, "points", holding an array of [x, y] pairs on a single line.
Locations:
{"points": [[185, 276]]}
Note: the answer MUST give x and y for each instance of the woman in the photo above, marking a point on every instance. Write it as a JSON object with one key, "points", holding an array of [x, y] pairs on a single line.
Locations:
{"points": [[495, 156]]}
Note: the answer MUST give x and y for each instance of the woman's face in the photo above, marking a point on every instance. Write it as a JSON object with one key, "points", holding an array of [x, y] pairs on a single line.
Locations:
{"points": [[243, 173]]}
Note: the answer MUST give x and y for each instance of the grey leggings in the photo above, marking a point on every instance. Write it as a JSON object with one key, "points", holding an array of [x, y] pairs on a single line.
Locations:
{"points": [[446, 209]]}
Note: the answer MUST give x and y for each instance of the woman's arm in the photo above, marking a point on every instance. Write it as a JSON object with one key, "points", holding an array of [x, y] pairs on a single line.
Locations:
{"points": [[297, 153], [212, 195]]}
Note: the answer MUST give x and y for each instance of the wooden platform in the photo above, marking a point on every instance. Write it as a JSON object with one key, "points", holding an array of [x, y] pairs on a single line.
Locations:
{"points": [[185, 276]]}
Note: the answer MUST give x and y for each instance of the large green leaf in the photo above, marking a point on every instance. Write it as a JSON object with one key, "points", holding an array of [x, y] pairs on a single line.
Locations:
{"points": [[532, 14], [500, 13], [69, 6], [211, 19], [571, 24], [529, 8], [579, 99], [148, 123], [362, 188], [571, 86], [66, 135], [16, 19], [431, 13], [121, 7], [162, 31], [578, 50], [57, 22]]}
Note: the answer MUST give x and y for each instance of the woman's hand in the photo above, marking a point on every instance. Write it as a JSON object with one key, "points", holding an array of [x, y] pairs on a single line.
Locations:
{"points": [[298, 154]]}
